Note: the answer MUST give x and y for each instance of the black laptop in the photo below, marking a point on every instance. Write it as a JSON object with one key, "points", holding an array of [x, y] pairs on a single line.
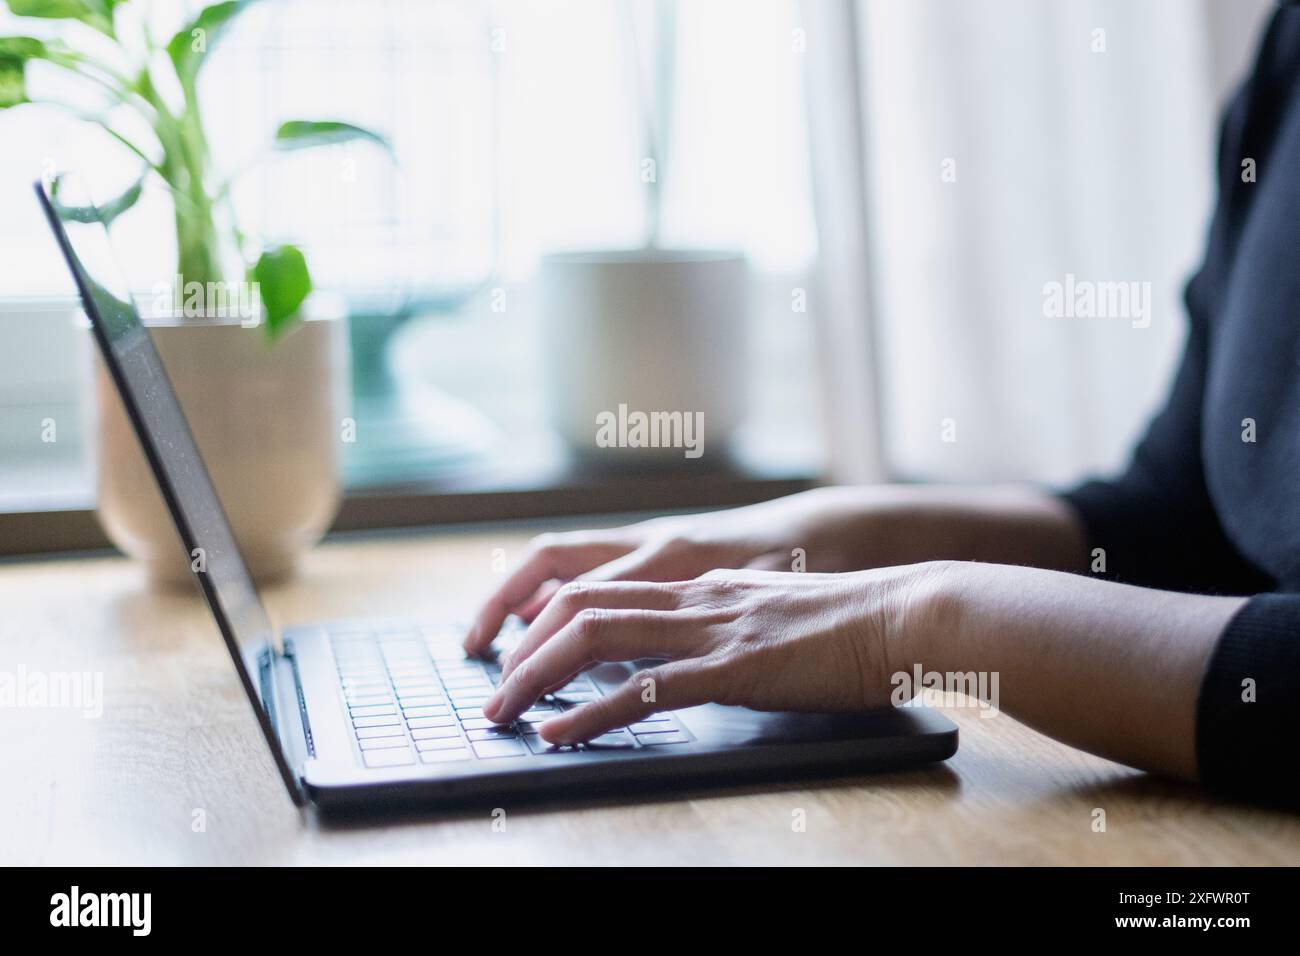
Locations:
{"points": [[380, 713]]}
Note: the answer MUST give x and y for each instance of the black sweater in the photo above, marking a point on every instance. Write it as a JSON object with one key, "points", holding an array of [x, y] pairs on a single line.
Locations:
{"points": [[1201, 507]]}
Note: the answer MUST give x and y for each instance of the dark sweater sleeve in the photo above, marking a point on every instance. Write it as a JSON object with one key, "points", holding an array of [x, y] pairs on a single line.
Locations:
{"points": [[1247, 723], [1155, 524]]}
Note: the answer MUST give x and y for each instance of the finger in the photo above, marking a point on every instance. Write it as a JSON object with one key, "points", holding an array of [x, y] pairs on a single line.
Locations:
{"points": [[552, 688], [671, 686], [550, 556], [576, 597], [595, 635], [659, 562], [644, 564], [532, 607]]}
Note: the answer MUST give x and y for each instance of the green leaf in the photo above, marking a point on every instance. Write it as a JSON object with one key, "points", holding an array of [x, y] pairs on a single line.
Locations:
{"points": [[284, 284], [13, 85], [53, 9], [304, 134], [97, 13], [115, 207], [14, 54], [104, 212], [189, 48], [24, 48]]}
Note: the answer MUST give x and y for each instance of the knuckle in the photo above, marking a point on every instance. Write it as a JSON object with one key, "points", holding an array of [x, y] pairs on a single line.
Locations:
{"points": [[574, 594], [723, 579], [644, 676], [587, 624], [524, 673], [721, 585]]}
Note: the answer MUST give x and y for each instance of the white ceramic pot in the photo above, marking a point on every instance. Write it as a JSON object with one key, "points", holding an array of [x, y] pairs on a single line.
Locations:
{"points": [[40, 377], [630, 335], [268, 420]]}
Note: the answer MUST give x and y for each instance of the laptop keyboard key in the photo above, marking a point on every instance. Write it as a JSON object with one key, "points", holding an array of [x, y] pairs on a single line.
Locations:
{"points": [[492, 733], [537, 715], [416, 723], [427, 700], [444, 756], [575, 697], [382, 711], [387, 758], [425, 712], [383, 721], [479, 723], [436, 733], [667, 737], [650, 727], [382, 743], [392, 730], [539, 746], [498, 748]]}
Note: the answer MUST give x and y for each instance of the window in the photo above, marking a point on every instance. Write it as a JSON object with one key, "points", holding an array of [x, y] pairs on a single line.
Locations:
{"points": [[515, 131]]}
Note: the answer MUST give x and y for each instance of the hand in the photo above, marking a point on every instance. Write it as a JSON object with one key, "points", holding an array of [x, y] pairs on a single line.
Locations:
{"points": [[764, 640], [678, 548], [828, 529]]}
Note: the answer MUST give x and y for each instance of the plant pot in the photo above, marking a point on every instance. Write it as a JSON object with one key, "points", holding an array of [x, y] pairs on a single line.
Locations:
{"points": [[40, 416], [645, 336], [268, 420]]}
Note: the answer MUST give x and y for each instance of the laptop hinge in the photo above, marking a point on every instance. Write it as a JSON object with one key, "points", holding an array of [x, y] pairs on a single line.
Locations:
{"points": [[282, 690]]}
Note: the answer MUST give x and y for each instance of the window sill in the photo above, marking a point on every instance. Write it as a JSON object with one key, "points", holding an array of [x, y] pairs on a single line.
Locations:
{"points": [[572, 492]]}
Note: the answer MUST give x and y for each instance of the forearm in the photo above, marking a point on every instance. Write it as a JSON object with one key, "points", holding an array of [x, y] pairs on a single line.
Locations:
{"points": [[1109, 668], [881, 525]]}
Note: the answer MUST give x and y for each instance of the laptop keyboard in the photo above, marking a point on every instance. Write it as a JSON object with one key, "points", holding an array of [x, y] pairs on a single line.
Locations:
{"points": [[414, 697]]}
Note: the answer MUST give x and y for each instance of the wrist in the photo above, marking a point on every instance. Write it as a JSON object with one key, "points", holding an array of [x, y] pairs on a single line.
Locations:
{"points": [[936, 615], [851, 528]]}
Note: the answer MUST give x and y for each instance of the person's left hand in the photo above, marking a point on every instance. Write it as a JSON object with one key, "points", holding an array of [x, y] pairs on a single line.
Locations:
{"points": [[761, 639]]}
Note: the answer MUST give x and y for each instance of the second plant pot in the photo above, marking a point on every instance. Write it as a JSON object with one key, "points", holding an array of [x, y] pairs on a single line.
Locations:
{"points": [[640, 344]]}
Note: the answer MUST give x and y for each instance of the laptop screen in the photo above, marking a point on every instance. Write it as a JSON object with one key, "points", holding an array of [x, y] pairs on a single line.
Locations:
{"points": [[206, 542]]}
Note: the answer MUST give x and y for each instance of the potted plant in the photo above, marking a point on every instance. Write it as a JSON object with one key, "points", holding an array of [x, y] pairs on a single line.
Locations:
{"points": [[668, 323], [259, 368]]}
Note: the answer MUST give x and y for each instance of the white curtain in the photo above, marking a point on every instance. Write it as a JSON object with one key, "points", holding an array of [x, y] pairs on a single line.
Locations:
{"points": [[1009, 144]]}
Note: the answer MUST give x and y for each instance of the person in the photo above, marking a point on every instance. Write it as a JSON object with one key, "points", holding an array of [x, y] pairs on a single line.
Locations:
{"points": [[1153, 619]]}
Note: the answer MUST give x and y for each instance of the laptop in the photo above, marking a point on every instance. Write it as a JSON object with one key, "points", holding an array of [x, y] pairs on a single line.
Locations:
{"points": [[362, 715]]}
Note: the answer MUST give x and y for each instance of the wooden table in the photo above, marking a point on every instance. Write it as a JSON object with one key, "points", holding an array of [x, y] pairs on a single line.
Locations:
{"points": [[176, 736]]}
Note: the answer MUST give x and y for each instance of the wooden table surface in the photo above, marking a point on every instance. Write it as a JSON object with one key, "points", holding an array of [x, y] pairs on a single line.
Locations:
{"points": [[176, 736]]}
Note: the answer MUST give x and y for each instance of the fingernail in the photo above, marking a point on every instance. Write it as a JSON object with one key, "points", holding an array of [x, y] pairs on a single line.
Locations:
{"points": [[491, 708]]}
